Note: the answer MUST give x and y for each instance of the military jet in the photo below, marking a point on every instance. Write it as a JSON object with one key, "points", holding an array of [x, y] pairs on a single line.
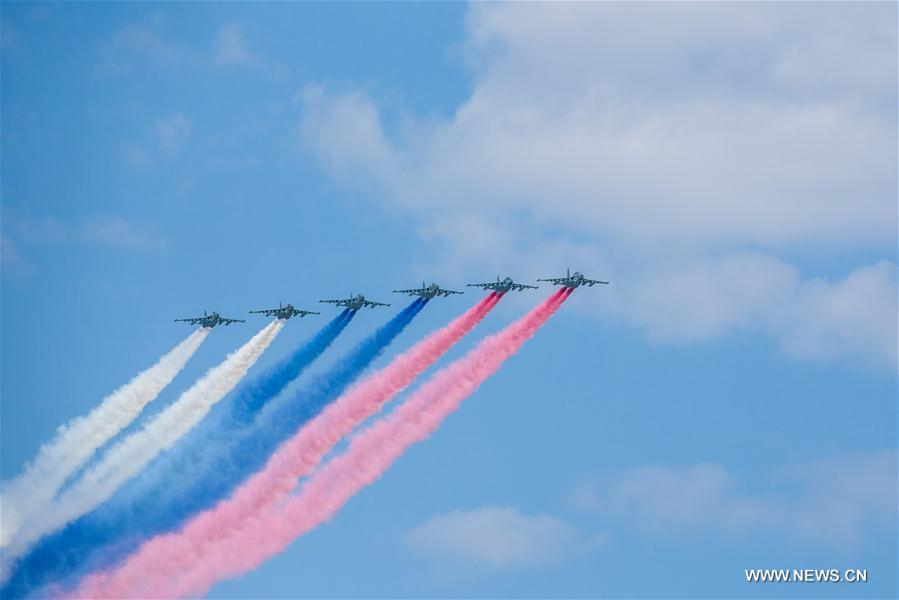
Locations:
{"points": [[284, 312], [506, 285], [209, 321], [427, 291], [573, 280], [355, 302]]}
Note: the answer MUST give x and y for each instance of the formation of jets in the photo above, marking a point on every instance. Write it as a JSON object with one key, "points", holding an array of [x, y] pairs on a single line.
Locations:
{"points": [[358, 301]]}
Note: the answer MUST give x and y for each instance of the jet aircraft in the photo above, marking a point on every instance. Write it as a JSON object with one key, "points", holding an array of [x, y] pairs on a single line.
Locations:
{"points": [[573, 280], [210, 320], [355, 302], [284, 312], [427, 291], [506, 285]]}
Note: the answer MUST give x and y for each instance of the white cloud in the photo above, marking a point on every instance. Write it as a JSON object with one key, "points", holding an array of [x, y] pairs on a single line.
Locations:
{"points": [[105, 231], [116, 232], [172, 131], [136, 157], [8, 37], [136, 44], [576, 121], [853, 318], [846, 494], [495, 536], [10, 257], [654, 138], [346, 130], [230, 46], [149, 42], [166, 138], [830, 501]]}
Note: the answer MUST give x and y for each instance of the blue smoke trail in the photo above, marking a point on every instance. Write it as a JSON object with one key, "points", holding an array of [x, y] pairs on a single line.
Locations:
{"points": [[254, 394], [237, 413], [100, 540], [234, 414]]}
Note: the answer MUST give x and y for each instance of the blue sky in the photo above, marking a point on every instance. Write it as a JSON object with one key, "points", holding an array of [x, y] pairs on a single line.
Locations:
{"points": [[728, 403]]}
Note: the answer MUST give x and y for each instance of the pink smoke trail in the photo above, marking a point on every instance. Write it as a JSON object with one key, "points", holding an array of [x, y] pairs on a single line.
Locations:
{"points": [[302, 453], [294, 459]]}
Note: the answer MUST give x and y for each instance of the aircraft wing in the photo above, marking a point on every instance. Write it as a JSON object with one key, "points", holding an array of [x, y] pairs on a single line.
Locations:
{"points": [[410, 291], [445, 293], [521, 287], [225, 321], [302, 313], [485, 286], [372, 303], [592, 282], [268, 312], [334, 301], [555, 280], [191, 320]]}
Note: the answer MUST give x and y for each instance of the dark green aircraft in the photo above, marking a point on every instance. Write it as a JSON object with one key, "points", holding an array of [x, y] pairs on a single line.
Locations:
{"points": [[427, 291], [284, 312], [355, 302], [209, 320], [506, 285], [573, 280]]}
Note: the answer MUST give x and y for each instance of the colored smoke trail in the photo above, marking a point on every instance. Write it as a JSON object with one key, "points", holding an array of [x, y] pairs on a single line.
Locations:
{"points": [[298, 456], [130, 514], [236, 414], [252, 396], [29, 494], [169, 565], [124, 460], [229, 462]]}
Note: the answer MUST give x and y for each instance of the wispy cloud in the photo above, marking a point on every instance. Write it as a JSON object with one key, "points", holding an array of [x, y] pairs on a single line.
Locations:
{"points": [[700, 298], [116, 232], [10, 257], [172, 131], [8, 36], [230, 46], [496, 536], [236, 46], [830, 501], [142, 43], [104, 231], [150, 43], [136, 156], [166, 137]]}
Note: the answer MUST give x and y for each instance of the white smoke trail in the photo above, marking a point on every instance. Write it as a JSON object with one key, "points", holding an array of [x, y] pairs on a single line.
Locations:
{"points": [[127, 458], [29, 494]]}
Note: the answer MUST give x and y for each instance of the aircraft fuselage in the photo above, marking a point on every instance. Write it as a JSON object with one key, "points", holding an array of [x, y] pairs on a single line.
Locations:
{"points": [[503, 286], [574, 281], [210, 321], [284, 312], [355, 303], [430, 291]]}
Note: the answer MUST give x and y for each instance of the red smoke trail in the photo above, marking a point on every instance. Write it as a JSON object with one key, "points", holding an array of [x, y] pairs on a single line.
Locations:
{"points": [[144, 572]]}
